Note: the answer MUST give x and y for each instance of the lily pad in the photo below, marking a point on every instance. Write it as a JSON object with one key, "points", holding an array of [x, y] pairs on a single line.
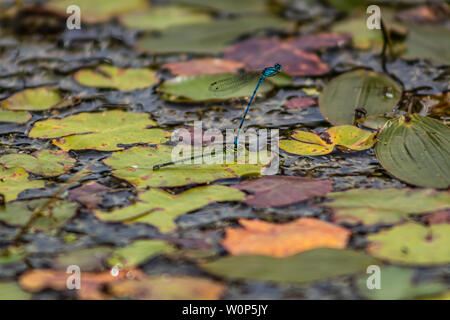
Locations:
{"points": [[363, 37], [15, 180], [412, 244], [386, 206], [416, 149], [310, 144], [33, 99], [89, 260], [106, 76], [398, 284], [197, 67], [56, 214], [229, 6], [106, 131], [313, 265], [136, 166], [196, 88], [210, 37], [375, 92], [44, 162], [138, 252], [160, 208], [159, 18], [10, 290], [14, 116], [428, 42], [99, 10]]}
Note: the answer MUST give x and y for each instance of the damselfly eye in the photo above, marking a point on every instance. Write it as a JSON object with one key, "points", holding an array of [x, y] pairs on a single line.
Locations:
{"points": [[277, 66]]}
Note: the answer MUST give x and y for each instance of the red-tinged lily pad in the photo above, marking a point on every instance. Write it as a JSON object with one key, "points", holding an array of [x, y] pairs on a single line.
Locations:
{"points": [[203, 66], [260, 53], [300, 103], [89, 194], [277, 191]]}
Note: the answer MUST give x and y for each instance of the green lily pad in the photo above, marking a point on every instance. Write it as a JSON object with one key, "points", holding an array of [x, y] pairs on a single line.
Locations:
{"points": [[348, 5], [363, 37], [33, 99], [43, 162], [428, 42], [384, 206], [160, 208], [374, 122], [106, 76], [160, 18], [136, 166], [229, 6], [89, 260], [18, 213], [15, 180], [308, 143], [138, 252], [10, 290], [196, 88], [416, 150], [14, 116], [398, 284], [99, 10], [412, 244], [313, 265], [211, 37], [105, 131], [376, 93]]}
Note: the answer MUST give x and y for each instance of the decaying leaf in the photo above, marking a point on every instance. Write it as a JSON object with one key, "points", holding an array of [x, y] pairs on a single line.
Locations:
{"points": [[160, 208], [276, 191], [88, 194], [105, 131], [282, 240], [311, 144], [203, 66]]}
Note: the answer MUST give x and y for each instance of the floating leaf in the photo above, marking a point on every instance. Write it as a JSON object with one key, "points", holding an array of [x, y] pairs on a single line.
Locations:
{"points": [[14, 116], [276, 191], [386, 206], [106, 76], [160, 208], [373, 122], [313, 265], [260, 53], [168, 287], [416, 149], [203, 66], [99, 10], [363, 37], [209, 37], [428, 42], [14, 181], [88, 194], [196, 88], [91, 284], [376, 93], [412, 244], [310, 144], [11, 291], [229, 6], [282, 240], [88, 260], [138, 252], [106, 131], [159, 18], [44, 162], [398, 284], [136, 166], [33, 99], [54, 215], [347, 6]]}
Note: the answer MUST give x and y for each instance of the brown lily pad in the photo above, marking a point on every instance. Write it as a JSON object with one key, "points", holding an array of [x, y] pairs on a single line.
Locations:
{"points": [[277, 191], [300, 103], [88, 194], [203, 66]]}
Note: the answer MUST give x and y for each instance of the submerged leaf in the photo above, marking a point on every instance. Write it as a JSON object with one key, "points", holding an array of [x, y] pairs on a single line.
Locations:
{"points": [[106, 131], [412, 244], [374, 206], [360, 89], [313, 265], [416, 149], [160, 208], [43, 162], [106, 76], [282, 240]]}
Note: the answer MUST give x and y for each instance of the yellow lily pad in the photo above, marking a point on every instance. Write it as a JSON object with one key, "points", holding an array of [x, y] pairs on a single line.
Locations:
{"points": [[36, 99], [15, 180]]}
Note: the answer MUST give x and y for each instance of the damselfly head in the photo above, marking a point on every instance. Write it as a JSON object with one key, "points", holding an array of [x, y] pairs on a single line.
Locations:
{"points": [[278, 66]]}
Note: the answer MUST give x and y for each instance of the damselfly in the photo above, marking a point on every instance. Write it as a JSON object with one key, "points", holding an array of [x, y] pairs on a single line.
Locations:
{"points": [[238, 81]]}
